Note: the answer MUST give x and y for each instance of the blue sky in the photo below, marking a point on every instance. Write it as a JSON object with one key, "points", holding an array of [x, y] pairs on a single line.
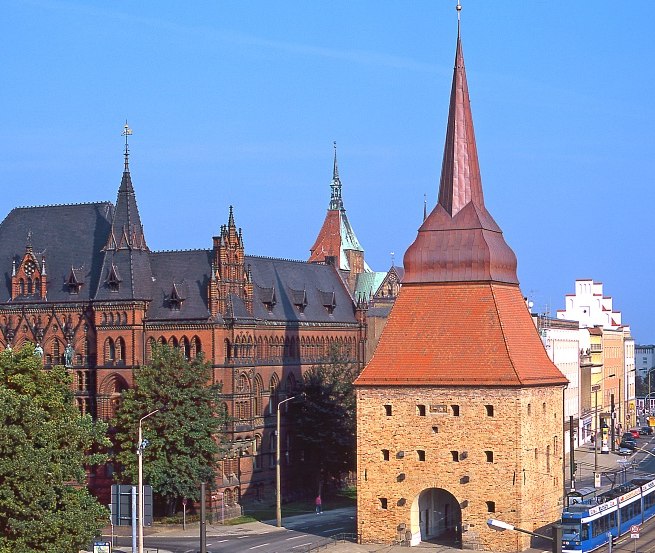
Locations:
{"points": [[237, 103]]}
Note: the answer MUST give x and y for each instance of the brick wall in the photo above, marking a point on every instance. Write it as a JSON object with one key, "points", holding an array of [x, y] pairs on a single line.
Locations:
{"points": [[508, 445]]}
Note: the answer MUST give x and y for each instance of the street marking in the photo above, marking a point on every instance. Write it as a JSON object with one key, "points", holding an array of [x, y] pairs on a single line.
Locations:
{"points": [[241, 537], [221, 541], [301, 545], [261, 545], [295, 538]]}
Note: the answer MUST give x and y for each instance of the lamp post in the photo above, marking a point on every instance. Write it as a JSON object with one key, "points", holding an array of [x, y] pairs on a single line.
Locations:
{"points": [[139, 451], [278, 495], [555, 539], [595, 389]]}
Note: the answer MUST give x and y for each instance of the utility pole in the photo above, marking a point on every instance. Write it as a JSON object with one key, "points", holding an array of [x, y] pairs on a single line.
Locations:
{"points": [[595, 389], [278, 485]]}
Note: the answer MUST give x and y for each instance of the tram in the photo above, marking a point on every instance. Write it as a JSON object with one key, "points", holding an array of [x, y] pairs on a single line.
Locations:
{"points": [[588, 524]]}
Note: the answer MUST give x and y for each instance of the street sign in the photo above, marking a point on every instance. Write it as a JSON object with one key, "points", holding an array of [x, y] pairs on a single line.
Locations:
{"points": [[102, 547], [634, 531]]}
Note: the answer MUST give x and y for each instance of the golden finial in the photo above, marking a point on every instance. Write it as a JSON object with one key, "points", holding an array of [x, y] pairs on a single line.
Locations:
{"points": [[126, 132]]}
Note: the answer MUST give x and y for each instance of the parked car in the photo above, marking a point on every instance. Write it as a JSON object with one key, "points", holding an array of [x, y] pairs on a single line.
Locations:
{"points": [[635, 433], [630, 444], [646, 430], [624, 451]]}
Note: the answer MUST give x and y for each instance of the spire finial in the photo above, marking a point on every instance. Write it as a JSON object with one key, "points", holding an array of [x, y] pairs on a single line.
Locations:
{"points": [[425, 206], [393, 259], [126, 132], [335, 199], [459, 12]]}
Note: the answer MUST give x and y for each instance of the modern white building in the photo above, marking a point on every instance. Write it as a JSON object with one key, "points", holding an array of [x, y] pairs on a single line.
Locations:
{"points": [[644, 359]]}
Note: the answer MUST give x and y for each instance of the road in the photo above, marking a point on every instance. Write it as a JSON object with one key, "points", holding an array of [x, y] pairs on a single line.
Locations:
{"points": [[299, 534]]}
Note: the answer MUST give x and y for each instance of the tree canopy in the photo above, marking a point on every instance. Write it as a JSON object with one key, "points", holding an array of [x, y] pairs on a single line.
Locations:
{"points": [[44, 445], [324, 421], [182, 439]]}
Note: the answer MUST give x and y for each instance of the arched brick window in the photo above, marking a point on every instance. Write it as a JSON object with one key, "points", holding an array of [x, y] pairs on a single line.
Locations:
{"points": [[274, 394], [259, 395], [196, 346], [110, 350], [120, 350]]}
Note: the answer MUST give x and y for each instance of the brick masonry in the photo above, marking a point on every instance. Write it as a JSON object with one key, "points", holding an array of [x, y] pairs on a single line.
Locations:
{"points": [[523, 480]]}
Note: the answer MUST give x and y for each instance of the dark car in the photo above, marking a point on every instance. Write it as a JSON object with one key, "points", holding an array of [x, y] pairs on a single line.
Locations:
{"points": [[630, 444], [646, 430], [628, 436]]}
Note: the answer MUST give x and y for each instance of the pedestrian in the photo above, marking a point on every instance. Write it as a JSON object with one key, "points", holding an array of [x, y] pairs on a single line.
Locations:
{"points": [[319, 505]]}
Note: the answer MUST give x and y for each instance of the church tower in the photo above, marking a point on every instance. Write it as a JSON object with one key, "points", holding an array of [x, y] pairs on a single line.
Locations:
{"points": [[336, 242], [459, 412]]}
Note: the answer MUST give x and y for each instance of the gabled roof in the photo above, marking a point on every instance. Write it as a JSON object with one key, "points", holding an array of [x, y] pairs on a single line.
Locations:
{"points": [[67, 235]]}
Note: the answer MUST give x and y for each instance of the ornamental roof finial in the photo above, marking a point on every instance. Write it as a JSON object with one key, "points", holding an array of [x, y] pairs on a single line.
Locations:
{"points": [[126, 132]]}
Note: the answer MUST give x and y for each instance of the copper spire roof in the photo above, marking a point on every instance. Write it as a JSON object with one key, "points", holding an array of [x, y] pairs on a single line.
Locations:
{"points": [[459, 240], [460, 318]]}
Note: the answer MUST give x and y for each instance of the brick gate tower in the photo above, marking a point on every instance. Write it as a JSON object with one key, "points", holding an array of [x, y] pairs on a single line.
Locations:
{"points": [[459, 412]]}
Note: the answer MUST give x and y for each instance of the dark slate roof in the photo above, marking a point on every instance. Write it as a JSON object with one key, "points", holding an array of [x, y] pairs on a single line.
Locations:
{"points": [[69, 236], [189, 271], [318, 281]]}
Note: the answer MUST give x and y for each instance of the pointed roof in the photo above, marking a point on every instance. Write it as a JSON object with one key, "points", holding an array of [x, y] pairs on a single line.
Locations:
{"points": [[460, 318], [336, 235], [126, 250], [460, 240]]}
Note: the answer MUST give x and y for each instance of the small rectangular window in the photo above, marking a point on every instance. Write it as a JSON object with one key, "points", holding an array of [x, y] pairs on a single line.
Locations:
{"points": [[490, 456], [455, 410], [383, 503], [490, 410], [420, 410], [387, 410], [421, 455], [435, 430], [455, 455], [385, 454], [491, 506]]}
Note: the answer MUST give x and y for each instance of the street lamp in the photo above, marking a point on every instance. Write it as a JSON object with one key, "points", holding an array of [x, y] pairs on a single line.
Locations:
{"points": [[278, 499], [139, 451], [555, 539]]}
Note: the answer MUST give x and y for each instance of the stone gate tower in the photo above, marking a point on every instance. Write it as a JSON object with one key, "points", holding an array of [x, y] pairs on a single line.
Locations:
{"points": [[459, 412]]}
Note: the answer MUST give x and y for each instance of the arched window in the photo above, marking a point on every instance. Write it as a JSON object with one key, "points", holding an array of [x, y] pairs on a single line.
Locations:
{"points": [[161, 341], [257, 454], [120, 349], [37, 286], [259, 395], [56, 352], [196, 346], [124, 318], [227, 349], [274, 394], [21, 287], [110, 350], [186, 347], [173, 342]]}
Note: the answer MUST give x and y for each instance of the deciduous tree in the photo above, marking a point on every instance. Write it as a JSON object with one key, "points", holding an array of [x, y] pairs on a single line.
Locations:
{"points": [[44, 445], [324, 421], [182, 439]]}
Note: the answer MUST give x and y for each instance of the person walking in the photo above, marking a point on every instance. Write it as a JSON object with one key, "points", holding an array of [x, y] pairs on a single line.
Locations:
{"points": [[319, 505]]}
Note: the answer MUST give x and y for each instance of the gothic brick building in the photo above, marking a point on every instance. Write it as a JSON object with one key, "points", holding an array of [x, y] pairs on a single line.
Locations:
{"points": [[459, 412], [81, 284]]}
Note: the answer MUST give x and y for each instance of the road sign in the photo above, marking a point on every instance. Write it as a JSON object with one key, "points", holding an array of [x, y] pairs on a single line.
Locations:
{"points": [[634, 531]]}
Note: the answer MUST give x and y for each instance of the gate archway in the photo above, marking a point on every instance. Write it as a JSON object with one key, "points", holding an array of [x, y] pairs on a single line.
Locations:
{"points": [[436, 517]]}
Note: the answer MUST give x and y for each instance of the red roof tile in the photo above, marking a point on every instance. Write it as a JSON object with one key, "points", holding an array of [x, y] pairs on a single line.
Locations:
{"points": [[460, 334]]}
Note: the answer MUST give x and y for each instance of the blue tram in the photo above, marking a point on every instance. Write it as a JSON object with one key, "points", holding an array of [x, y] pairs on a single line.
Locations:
{"points": [[587, 525]]}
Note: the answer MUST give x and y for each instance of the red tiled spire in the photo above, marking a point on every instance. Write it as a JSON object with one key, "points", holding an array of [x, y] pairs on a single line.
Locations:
{"points": [[459, 240]]}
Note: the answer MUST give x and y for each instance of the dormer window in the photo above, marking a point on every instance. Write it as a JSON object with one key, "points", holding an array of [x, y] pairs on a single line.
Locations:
{"points": [[175, 299], [268, 298], [74, 281], [329, 301], [113, 280], [299, 298], [28, 276]]}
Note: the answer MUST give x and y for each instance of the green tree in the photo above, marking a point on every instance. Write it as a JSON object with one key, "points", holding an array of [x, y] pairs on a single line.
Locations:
{"points": [[325, 423], [183, 438], [44, 445]]}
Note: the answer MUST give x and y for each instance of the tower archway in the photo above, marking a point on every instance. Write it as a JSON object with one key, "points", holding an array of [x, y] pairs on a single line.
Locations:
{"points": [[436, 517]]}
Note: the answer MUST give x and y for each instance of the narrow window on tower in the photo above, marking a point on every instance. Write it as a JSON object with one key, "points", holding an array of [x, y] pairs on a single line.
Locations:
{"points": [[383, 503], [420, 410], [455, 410], [455, 455], [385, 454], [387, 410], [421, 454], [491, 506], [490, 410], [490, 456]]}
